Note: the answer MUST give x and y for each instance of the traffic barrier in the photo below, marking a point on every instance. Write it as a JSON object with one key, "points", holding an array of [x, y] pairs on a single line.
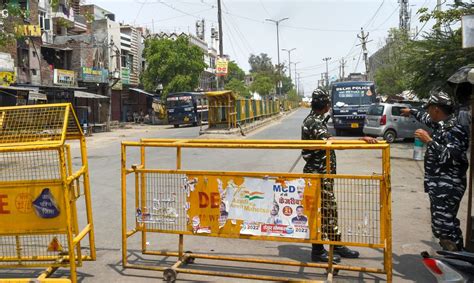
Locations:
{"points": [[269, 206], [39, 190], [227, 110]]}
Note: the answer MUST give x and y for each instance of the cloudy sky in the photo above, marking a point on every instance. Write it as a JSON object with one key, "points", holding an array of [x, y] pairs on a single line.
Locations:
{"points": [[316, 28]]}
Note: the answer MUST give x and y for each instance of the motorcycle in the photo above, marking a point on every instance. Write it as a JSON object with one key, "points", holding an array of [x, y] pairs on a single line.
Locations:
{"points": [[452, 267]]}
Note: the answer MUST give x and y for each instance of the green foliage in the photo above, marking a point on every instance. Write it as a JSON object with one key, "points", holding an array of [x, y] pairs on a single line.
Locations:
{"points": [[287, 84], [391, 78], [262, 84], [434, 59], [238, 87], [261, 64], [293, 96], [234, 72], [16, 17], [447, 17], [174, 63]]}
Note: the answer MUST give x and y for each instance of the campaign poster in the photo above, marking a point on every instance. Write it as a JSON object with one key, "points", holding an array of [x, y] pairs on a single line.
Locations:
{"points": [[287, 216]]}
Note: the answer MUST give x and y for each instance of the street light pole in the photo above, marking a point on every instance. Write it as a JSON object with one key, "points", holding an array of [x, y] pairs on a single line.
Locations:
{"points": [[296, 81], [327, 70], [277, 23], [289, 59]]}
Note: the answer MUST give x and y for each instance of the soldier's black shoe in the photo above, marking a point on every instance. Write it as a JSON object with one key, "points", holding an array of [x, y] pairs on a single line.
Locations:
{"points": [[344, 251], [323, 256]]}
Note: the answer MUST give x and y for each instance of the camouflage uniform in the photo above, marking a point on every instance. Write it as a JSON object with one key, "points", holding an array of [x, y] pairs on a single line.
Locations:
{"points": [[445, 171], [315, 128]]}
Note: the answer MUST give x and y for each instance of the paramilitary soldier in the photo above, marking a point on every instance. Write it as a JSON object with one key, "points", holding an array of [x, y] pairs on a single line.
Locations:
{"points": [[315, 128], [445, 166]]}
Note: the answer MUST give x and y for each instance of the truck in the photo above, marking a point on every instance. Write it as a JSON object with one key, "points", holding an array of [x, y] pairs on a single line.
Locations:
{"points": [[350, 101]]}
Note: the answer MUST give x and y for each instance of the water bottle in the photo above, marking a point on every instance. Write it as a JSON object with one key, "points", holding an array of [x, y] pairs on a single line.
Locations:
{"points": [[418, 150]]}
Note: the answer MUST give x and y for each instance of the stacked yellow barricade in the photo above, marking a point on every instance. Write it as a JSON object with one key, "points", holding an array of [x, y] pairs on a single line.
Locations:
{"points": [[270, 206], [39, 190]]}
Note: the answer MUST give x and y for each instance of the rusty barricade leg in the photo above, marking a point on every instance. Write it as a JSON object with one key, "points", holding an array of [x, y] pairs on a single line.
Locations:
{"points": [[168, 201]]}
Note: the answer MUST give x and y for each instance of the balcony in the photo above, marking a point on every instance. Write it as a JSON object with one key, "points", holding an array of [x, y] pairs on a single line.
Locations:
{"points": [[64, 12]]}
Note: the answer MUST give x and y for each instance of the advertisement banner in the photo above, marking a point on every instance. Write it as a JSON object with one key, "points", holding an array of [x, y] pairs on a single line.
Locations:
{"points": [[32, 208], [125, 76], [221, 67], [236, 205], [64, 77], [28, 30], [94, 75]]}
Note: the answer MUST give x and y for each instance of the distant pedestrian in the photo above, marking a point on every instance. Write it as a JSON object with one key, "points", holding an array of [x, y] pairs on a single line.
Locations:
{"points": [[445, 166], [464, 118]]}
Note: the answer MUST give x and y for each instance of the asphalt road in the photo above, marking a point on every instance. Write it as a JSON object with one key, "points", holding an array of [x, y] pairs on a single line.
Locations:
{"points": [[411, 230]]}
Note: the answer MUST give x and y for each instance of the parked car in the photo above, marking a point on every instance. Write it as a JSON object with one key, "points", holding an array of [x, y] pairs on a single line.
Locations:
{"points": [[385, 120]]}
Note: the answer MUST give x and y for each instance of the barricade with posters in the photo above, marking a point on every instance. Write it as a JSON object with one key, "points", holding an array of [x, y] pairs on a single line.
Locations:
{"points": [[39, 192], [270, 206]]}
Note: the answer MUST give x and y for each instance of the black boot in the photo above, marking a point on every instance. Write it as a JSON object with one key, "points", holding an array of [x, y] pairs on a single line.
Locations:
{"points": [[319, 254], [344, 251]]}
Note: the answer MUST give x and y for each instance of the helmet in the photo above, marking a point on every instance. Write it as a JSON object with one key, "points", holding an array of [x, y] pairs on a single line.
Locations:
{"points": [[320, 96], [439, 97]]}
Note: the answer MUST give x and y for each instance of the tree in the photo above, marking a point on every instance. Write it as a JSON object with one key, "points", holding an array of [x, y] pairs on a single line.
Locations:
{"points": [[293, 96], [261, 64], [391, 78], [439, 54], [176, 64], [238, 87], [8, 27], [234, 72], [262, 84]]}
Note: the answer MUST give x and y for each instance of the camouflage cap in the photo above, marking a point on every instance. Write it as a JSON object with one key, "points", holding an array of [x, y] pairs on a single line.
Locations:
{"points": [[320, 96], [439, 97]]}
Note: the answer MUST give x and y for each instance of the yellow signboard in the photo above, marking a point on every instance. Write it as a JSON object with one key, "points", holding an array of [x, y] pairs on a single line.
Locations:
{"points": [[7, 78], [221, 67], [32, 208], [29, 30]]}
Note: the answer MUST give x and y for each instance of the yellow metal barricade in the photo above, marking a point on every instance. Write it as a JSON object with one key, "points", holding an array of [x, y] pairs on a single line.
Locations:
{"points": [[269, 206], [39, 190]]}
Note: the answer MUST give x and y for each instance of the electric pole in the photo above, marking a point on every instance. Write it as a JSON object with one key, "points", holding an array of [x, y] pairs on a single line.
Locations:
{"points": [[289, 59], [220, 81], [327, 70], [363, 39], [404, 16], [343, 66], [295, 63], [277, 23]]}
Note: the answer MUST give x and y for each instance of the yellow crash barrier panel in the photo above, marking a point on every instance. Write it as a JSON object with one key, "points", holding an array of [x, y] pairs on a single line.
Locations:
{"points": [[39, 191], [263, 206]]}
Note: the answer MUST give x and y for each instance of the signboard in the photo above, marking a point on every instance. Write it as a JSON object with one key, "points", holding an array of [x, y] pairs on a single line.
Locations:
{"points": [[468, 31], [7, 78], [125, 75], [94, 75], [37, 208], [221, 67], [250, 206], [28, 30], [64, 77]]}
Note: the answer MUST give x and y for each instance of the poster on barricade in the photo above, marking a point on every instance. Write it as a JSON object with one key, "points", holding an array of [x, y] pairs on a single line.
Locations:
{"points": [[249, 206]]}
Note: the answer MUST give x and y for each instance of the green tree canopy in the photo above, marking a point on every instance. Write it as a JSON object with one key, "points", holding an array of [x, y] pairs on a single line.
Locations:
{"points": [[262, 84], [8, 31], [238, 87], [293, 96], [174, 63], [234, 72], [261, 64]]}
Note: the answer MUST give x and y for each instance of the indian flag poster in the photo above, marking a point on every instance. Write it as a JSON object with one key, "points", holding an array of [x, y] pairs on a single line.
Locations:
{"points": [[250, 201]]}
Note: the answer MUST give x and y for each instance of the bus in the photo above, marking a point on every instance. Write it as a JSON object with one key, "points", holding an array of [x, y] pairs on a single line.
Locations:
{"points": [[350, 102], [187, 108]]}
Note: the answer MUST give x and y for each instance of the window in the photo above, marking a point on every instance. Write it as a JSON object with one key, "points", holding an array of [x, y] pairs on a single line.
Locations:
{"points": [[376, 110], [33, 72], [396, 111]]}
